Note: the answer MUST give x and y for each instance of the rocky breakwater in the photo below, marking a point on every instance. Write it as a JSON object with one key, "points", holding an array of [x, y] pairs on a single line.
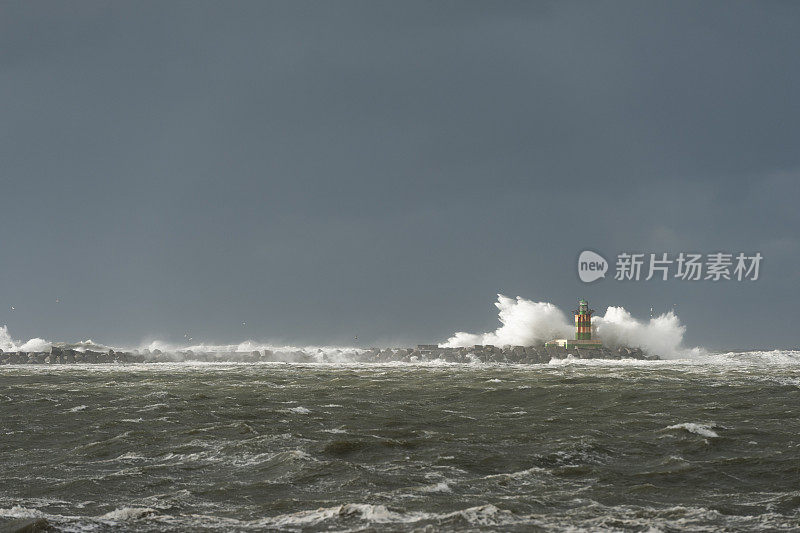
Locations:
{"points": [[68, 356], [497, 354], [421, 354]]}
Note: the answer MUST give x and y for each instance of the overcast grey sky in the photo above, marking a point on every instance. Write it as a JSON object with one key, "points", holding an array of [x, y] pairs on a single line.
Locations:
{"points": [[327, 169]]}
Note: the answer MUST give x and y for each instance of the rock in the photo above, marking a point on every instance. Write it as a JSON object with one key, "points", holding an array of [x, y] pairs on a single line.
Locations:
{"points": [[25, 525], [637, 353], [553, 352]]}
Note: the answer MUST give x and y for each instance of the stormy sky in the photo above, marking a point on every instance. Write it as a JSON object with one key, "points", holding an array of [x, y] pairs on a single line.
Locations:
{"points": [[321, 170]]}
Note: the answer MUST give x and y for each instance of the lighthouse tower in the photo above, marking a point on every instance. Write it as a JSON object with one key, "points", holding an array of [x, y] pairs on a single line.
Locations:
{"points": [[583, 321], [583, 331]]}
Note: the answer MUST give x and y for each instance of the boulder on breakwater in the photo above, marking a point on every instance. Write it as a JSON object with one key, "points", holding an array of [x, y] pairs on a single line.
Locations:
{"points": [[25, 525]]}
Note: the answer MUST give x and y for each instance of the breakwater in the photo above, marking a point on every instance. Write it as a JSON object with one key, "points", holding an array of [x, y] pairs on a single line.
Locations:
{"points": [[421, 353]]}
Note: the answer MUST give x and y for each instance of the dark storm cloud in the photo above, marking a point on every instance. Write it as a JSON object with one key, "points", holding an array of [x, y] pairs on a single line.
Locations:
{"points": [[321, 170]]}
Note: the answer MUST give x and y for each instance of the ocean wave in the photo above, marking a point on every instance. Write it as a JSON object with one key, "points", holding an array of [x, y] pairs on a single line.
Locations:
{"points": [[484, 515], [754, 357], [436, 487], [300, 410], [128, 513], [704, 430], [583, 515], [18, 511]]}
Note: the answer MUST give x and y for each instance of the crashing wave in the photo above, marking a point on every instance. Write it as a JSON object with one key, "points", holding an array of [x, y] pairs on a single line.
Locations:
{"points": [[525, 322]]}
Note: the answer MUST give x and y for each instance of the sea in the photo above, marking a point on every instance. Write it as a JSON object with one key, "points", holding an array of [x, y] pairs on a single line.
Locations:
{"points": [[708, 444]]}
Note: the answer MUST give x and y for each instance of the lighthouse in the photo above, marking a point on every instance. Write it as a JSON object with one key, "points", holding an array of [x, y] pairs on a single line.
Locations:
{"points": [[583, 330], [583, 321]]}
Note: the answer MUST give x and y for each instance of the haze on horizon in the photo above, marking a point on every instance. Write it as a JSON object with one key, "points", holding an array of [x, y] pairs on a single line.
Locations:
{"points": [[307, 172]]}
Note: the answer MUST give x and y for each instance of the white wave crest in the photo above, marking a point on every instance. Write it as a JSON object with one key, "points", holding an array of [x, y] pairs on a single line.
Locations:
{"points": [[317, 353], [437, 487], [524, 322], [20, 512], [7, 344], [128, 513], [704, 430], [661, 335], [300, 410], [484, 515]]}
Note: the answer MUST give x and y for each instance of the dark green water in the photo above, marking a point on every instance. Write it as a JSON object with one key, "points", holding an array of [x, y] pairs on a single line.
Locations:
{"points": [[645, 446]]}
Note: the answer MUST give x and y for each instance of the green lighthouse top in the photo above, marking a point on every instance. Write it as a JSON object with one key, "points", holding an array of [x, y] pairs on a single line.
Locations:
{"points": [[583, 308]]}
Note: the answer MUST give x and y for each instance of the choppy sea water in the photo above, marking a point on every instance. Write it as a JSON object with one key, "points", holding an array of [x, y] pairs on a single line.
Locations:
{"points": [[629, 446]]}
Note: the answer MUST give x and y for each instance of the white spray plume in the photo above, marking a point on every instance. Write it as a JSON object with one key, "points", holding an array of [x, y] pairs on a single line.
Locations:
{"points": [[661, 335], [7, 344], [525, 322]]}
